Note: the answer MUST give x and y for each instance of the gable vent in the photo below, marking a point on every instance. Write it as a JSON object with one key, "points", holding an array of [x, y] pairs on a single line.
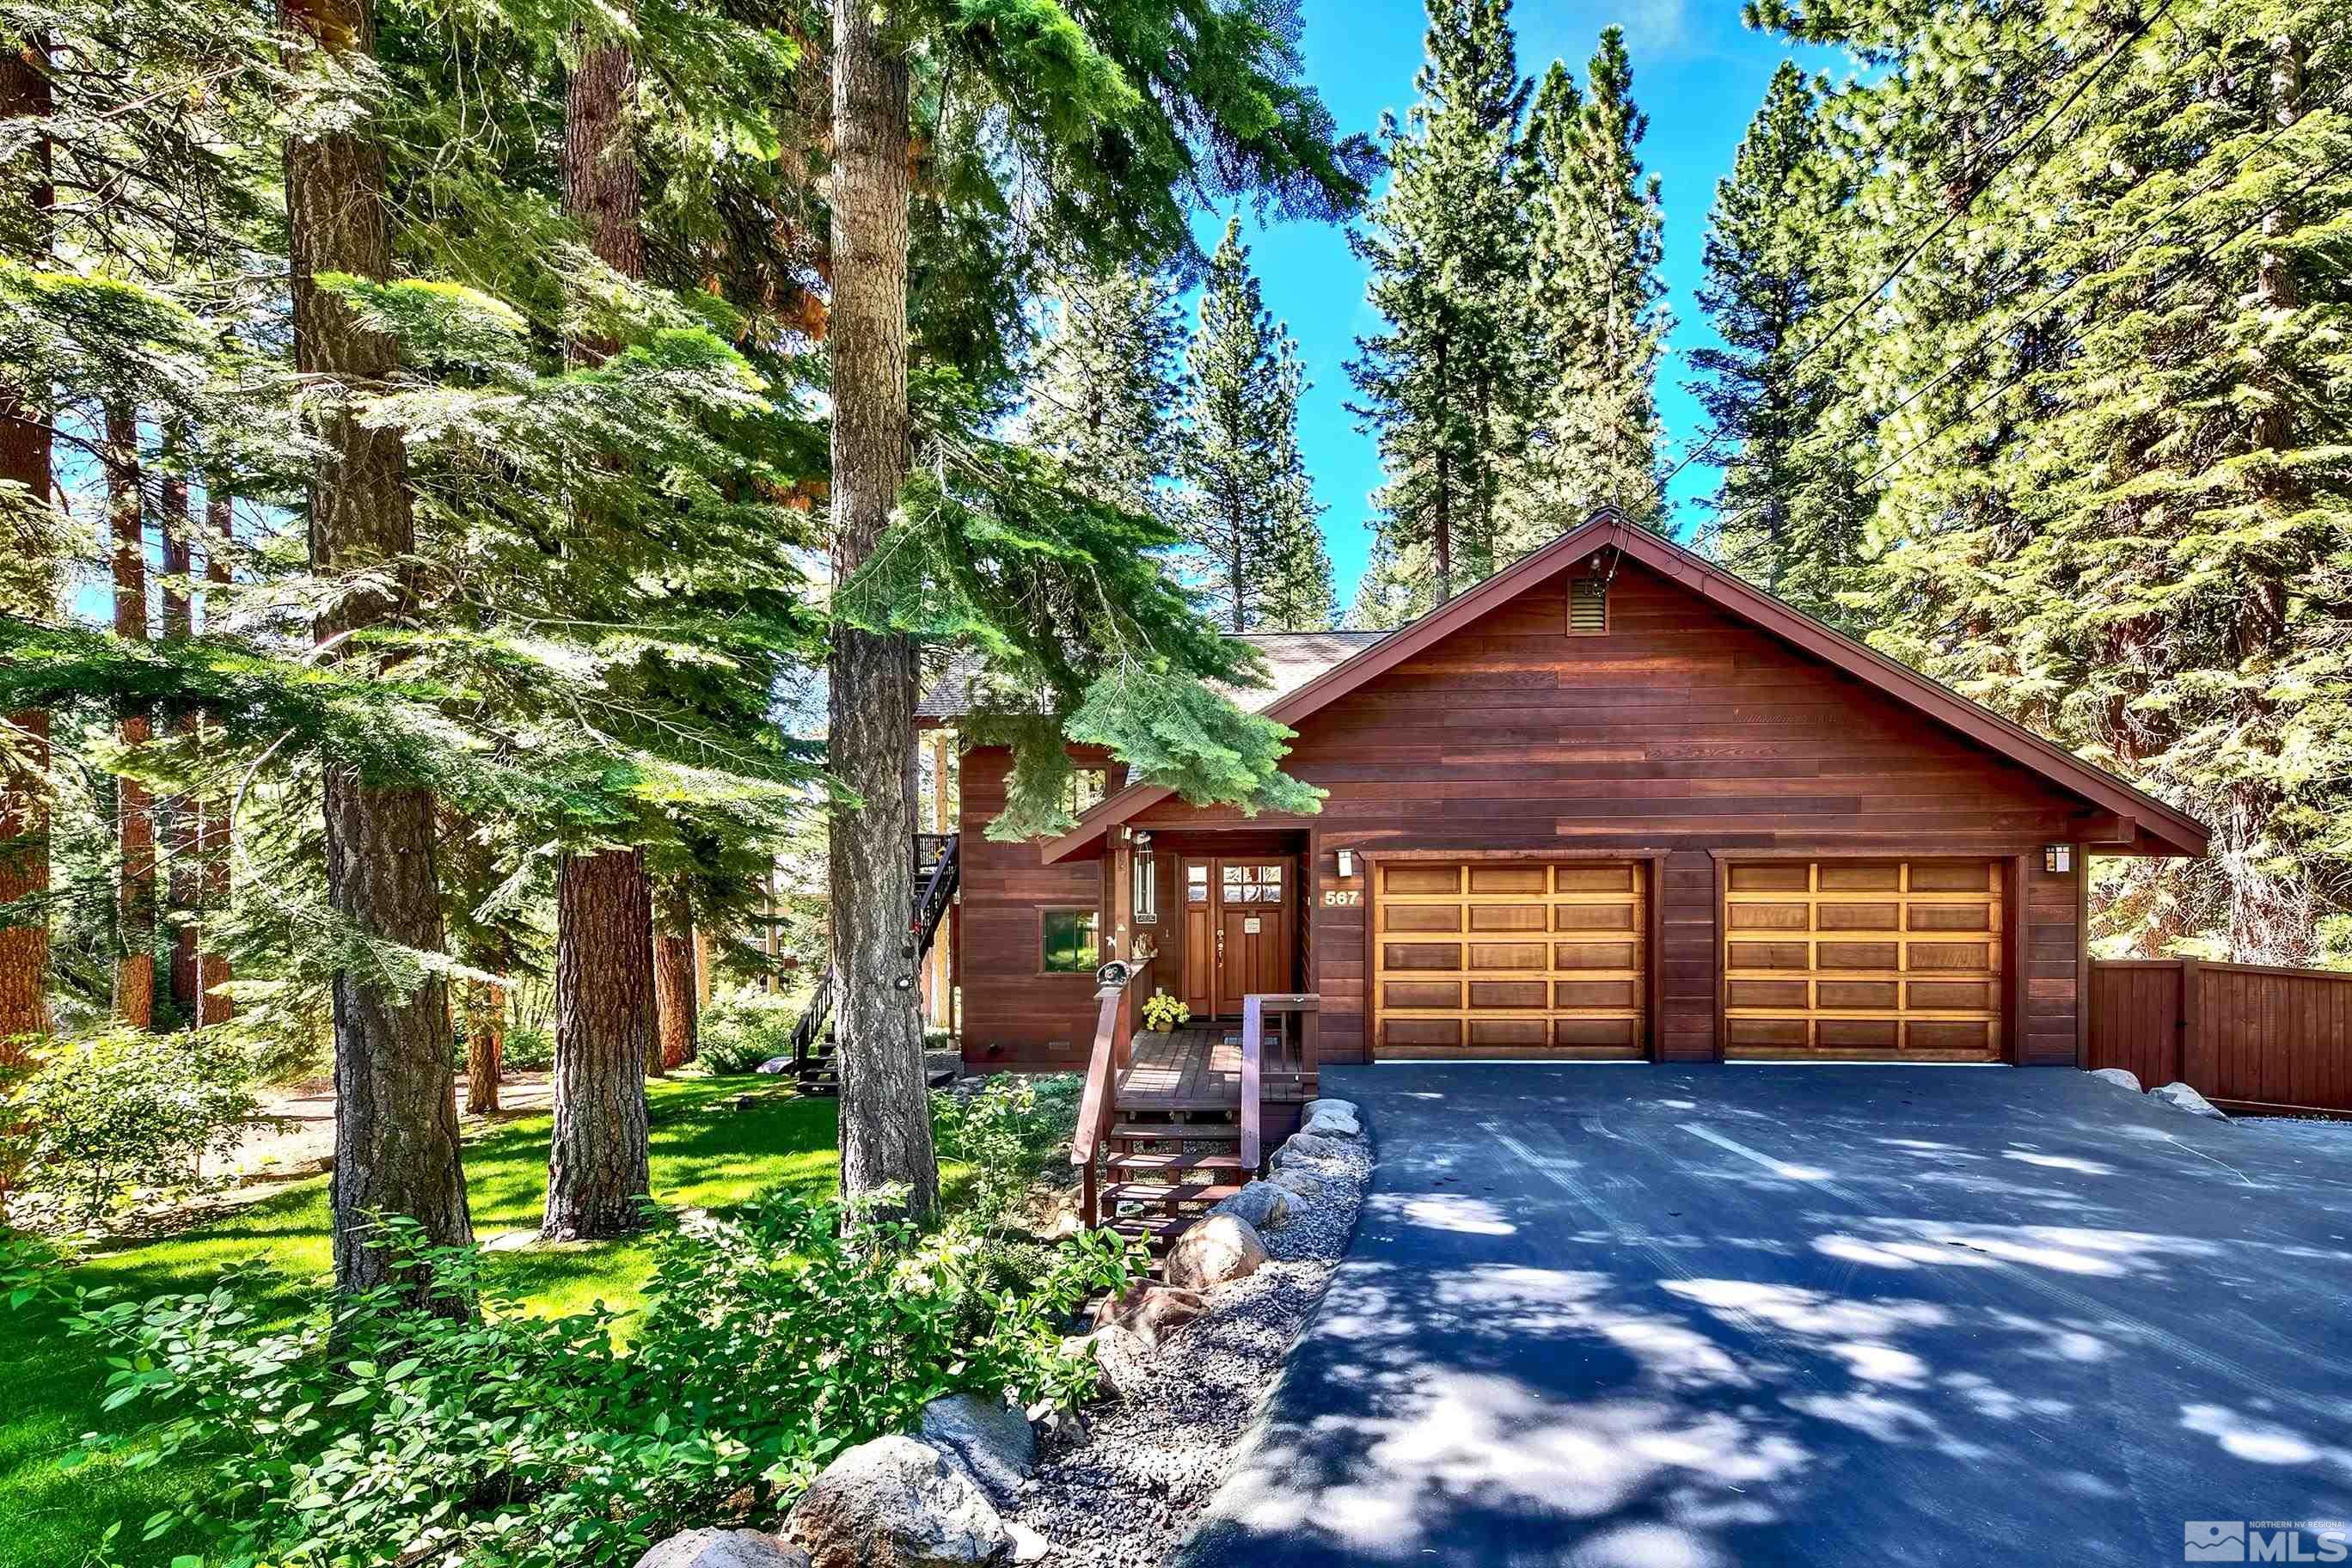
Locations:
{"points": [[1587, 607]]}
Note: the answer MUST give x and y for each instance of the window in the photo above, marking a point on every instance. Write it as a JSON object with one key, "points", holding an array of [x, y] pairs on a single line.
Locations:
{"points": [[1072, 941], [1587, 607], [1252, 884], [1196, 881], [1085, 790]]}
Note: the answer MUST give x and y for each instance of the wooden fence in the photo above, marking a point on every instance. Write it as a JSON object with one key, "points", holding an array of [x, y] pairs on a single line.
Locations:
{"points": [[2244, 1035]]}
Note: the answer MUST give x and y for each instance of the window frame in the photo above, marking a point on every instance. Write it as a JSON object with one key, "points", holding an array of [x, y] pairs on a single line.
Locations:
{"points": [[1046, 911]]}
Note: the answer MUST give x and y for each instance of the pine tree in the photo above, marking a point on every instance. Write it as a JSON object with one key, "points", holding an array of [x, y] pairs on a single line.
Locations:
{"points": [[1595, 321], [1249, 514], [1785, 516], [1446, 246], [1105, 387]]}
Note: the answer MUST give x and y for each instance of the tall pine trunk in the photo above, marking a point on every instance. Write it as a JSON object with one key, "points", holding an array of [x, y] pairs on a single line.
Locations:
{"points": [[886, 1124], [674, 1001], [25, 461], [597, 1165], [134, 965], [597, 1173], [181, 817], [486, 1041], [395, 1088]]}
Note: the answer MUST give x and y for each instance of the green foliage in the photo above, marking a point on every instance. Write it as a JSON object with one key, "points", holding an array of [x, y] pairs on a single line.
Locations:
{"points": [[374, 1430], [526, 1047], [110, 1115], [740, 1031], [1015, 1130]]}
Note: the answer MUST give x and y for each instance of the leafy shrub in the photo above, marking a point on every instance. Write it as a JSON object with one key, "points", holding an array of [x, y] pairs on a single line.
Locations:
{"points": [[743, 1030], [1017, 1126], [123, 1110], [527, 1048], [464, 1431]]}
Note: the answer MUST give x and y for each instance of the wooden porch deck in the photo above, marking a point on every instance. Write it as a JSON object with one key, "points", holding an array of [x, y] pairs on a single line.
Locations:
{"points": [[1198, 1067]]}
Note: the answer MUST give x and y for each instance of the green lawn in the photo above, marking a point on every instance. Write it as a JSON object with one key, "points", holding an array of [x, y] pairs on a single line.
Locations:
{"points": [[706, 1154]]}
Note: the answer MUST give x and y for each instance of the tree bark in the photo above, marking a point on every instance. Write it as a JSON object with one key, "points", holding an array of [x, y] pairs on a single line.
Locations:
{"points": [[134, 965], [180, 815], [598, 1163], [25, 460], [486, 1041], [886, 1124], [395, 1090], [674, 990], [597, 1171]]}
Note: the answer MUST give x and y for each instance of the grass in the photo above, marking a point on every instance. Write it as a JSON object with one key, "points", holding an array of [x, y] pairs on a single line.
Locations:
{"points": [[705, 1155]]}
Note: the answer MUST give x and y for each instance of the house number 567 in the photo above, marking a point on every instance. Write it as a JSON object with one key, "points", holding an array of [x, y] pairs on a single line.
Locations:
{"points": [[1337, 895]]}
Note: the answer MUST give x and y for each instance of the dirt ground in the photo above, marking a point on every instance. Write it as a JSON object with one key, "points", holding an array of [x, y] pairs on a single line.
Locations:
{"points": [[299, 1139]]}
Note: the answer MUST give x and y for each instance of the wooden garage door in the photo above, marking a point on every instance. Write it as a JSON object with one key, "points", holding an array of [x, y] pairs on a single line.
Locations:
{"points": [[1880, 960], [1507, 958]]}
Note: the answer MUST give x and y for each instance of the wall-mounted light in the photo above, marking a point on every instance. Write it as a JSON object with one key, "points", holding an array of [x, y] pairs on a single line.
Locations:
{"points": [[1347, 862], [2057, 857]]}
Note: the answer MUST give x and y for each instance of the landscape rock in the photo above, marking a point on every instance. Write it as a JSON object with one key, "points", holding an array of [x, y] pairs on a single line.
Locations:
{"points": [[1303, 1186], [1305, 1146], [991, 1440], [1346, 1108], [1263, 1203], [1215, 1250], [1331, 1124], [1028, 1546], [1148, 1310], [896, 1503], [2180, 1096], [774, 1064], [1124, 1358], [2122, 1077], [712, 1548]]}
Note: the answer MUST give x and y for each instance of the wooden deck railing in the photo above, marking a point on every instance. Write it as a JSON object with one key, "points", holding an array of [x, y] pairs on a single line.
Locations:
{"points": [[2247, 1037], [1253, 1081], [1113, 1054]]}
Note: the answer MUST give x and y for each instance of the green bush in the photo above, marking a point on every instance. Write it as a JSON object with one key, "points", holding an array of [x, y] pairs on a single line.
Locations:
{"points": [[123, 1112], [1011, 1132], [738, 1033], [527, 1048], [466, 1431]]}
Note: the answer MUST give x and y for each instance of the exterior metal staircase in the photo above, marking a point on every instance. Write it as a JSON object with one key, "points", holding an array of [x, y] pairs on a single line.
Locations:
{"points": [[938, 869]]}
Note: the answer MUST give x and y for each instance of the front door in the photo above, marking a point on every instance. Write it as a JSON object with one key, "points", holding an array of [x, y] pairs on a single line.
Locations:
{"points": [[1241, 932]]}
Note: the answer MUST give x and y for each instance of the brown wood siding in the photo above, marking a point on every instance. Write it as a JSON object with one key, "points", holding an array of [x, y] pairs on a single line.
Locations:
{"points": [[1012, 1015], [1681, 731]]}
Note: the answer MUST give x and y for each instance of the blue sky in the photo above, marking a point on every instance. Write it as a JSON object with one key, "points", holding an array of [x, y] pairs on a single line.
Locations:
{"points": [[1697, 73]]}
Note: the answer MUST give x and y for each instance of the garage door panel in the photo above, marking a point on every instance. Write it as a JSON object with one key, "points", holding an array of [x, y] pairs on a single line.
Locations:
{"points": [[1548, 961], [1867, 959]]}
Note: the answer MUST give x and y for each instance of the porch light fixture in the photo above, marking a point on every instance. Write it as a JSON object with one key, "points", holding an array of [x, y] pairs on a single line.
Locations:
{"points": [[1146, 882], [1347, 862], [2057, 857]]}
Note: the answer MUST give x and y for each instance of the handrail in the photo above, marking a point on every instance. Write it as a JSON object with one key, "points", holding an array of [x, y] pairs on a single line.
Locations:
{"points": [[1094, 1108], [1253, 1049], [810, 1025], [932, 902]]}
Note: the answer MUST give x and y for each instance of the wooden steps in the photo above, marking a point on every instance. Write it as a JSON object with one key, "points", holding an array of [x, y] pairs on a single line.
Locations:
{"points": [[1132, 1165]]}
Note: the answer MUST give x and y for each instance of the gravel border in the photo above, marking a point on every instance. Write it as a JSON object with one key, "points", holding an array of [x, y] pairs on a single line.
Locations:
{"points": [[1129, 1491]]}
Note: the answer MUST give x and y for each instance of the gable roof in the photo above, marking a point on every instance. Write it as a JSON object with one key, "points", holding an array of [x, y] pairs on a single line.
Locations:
{"points": [[2141, 815], [1292, 659]]}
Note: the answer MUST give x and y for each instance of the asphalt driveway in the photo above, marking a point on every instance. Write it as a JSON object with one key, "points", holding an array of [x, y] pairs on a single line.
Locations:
{"points": [[1655, 1316]]}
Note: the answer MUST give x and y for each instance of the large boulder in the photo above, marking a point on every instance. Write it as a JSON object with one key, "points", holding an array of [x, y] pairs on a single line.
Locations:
{"points": [[2122, 1077], [1303, 1186], [1305, 1146], [710, 1548], [1215, 1250], [1263, 1204], [774, 1064], [1346, 1108], [1150, 1309], [1332, 1124], [896, 1503], [2180, 1096], [988, 1437]]}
